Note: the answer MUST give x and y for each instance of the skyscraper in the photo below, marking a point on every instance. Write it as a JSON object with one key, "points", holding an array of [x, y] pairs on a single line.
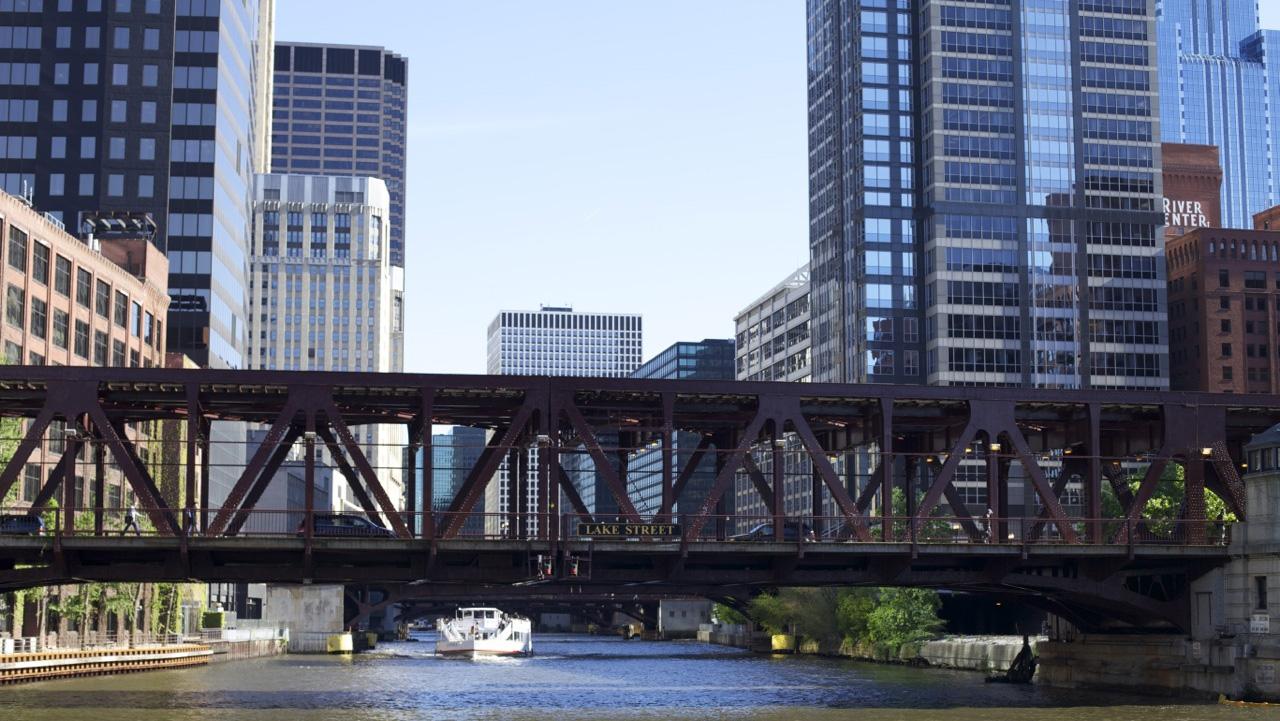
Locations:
{"points": [[321, 278], [144, 105], [984, 193], [341, 110], [1220, 85], [559, 342], [556, 341]]}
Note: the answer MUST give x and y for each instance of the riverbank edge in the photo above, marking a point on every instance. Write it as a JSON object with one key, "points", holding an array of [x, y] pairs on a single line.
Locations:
{"points": [[982, 654]]}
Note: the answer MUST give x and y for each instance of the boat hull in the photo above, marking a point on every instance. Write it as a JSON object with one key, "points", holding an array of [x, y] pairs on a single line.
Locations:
{"points": [[472, 649]]}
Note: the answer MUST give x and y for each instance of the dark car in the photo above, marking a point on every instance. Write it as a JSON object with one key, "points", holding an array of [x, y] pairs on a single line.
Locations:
{"points": [[345, 524], [21, 525], [791, 531]]}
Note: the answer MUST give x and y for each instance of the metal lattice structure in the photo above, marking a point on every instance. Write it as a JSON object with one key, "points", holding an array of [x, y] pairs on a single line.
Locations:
{"points": [[1108, 443]]}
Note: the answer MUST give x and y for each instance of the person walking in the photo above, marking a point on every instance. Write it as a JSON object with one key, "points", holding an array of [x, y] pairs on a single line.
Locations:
{"points": [[131, 521]]}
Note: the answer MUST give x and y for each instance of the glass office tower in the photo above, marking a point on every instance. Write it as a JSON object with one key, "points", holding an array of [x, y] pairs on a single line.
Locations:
{"points": [[341, 110], [709, 359], [984, 188], [1219, 78]]}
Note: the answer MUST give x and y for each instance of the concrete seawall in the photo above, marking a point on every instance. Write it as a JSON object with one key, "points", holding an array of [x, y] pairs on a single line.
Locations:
{"points": [[987, 654]]}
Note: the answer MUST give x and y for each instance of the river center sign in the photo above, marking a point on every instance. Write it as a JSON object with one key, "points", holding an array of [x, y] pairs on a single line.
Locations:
{"points": [[629, 530], [1185, 214]]}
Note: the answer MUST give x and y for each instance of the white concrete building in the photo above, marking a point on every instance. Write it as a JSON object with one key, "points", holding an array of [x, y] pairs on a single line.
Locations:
{"points": [[772, 334], [321, 293], [556, 341]]}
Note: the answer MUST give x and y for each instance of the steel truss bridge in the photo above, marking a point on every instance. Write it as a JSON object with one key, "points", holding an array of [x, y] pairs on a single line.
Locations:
{"points": [[1094, 567]]}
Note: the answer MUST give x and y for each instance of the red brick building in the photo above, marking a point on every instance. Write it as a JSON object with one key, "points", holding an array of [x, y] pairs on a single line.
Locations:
{"points": [[68, 302], [1192, 188], [1224, 308]]}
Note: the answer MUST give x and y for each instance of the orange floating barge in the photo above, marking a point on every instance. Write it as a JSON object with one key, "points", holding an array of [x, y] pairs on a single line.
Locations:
{"points": [[45, 665]]}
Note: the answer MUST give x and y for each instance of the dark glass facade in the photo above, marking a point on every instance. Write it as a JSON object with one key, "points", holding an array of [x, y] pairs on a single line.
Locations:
{"points": [[143, 105], [341, 110], [710, 359], [984, 188]]}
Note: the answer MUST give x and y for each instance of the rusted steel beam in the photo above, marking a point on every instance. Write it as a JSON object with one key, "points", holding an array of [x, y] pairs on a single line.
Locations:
{"points": [[268, 471], [611, 479], [668, 458], [686, 474], [575, 499], [32, 438], [348, 440], [349, 473], [724, 478], [282, 426], [486, 466], [135, 471], [761, 485]]}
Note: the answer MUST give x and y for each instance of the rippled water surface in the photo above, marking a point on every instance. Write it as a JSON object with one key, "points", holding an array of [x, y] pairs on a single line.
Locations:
{"points": [[572, 678]]}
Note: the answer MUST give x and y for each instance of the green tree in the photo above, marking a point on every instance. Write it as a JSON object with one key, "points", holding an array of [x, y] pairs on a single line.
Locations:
{"points": [[903, 615], [727, 614], [852, 610], [772, 613]]}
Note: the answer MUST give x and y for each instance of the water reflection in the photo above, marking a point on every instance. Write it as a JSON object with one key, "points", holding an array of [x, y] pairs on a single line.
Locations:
{"points": [[573, 677]]}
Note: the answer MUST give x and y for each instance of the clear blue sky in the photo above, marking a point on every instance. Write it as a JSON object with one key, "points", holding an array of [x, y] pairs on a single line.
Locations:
{"points": [[636, 156], [645, 156]]}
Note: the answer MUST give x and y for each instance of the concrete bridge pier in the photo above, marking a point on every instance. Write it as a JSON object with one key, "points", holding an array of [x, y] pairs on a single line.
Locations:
{"points": [[1232, 644]]}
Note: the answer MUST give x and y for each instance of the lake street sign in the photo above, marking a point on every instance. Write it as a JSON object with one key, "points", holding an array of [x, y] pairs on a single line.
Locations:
{"points": [[629, 530]]}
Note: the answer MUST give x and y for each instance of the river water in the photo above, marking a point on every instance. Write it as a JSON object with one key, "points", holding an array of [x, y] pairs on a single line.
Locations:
{"points": [[575, 678]]}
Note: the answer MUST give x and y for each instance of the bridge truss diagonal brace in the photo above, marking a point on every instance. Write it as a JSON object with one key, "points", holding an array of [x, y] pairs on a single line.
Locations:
{"points": [[571, 492], [686, 474], [761, 485], [764, 413], [348, 441], [349, 473], [51, 484], [271, 442], [259, 487], [134, 470], [818, 457], [487, 464], [587, 435], [30, 440]]}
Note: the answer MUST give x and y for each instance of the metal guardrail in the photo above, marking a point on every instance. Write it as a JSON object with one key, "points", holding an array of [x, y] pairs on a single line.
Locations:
{"points": [[951, 530]]}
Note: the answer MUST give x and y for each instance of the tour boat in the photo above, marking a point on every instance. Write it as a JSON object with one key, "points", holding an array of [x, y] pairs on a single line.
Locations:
{"points": [[483, 632]]}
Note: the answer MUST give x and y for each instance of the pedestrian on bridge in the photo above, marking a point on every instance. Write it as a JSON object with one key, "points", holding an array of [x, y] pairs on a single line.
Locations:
{"points": [[131, 521]]}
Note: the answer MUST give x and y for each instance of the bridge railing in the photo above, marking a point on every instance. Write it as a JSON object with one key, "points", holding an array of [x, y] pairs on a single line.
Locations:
{"points": [[739, 528]]}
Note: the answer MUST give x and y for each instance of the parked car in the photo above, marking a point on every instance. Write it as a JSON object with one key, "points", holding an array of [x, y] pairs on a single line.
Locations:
{"points": [[345, 524], [792, 531], [14, 524]]}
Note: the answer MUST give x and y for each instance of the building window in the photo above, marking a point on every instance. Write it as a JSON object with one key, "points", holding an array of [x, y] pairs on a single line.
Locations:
{"points": [[60, 325], [150, 76], [84, 286], [86, 183], [1226, 350], [17, 249], [57, 184], [1227, 373], [15, 307], [135, 320], [1260, 592], [82, 339], [120, 38], [1225, 325], [40, 264], [146, 186], [39, 318], [117, 353], [115, 185], [62, 276], [122, 309], [99, 348], [102, 299], [148, 111]]}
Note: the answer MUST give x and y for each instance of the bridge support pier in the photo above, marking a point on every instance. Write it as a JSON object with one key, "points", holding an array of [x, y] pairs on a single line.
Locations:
{"points": [[1233, 613]]}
